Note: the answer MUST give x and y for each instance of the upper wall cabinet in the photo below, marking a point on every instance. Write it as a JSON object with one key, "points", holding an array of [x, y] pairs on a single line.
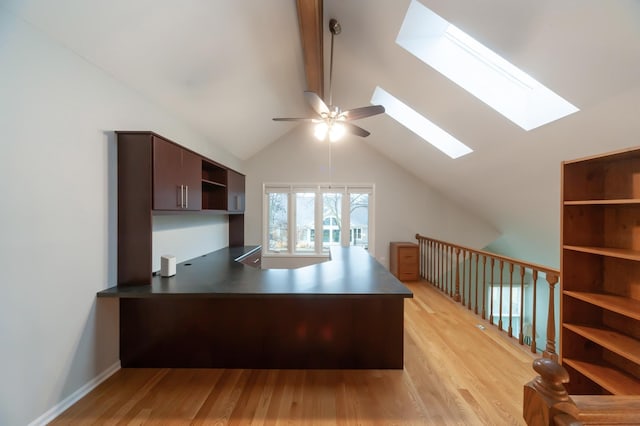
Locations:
{"points": [[157, 176], [176, 177]]}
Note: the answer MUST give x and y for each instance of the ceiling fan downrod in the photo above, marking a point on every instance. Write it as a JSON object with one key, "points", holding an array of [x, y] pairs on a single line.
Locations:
{"points": [[335, 29]]}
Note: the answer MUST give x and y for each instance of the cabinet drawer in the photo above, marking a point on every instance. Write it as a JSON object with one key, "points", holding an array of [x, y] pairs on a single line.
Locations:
{"points": [[408, 276], [407, 255]]}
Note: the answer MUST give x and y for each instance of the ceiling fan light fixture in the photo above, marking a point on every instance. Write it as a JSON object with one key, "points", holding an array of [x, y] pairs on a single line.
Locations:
{"points": [[336, 132], [321, 130]]}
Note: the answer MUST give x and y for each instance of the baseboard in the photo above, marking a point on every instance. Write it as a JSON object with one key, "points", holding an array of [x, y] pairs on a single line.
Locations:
{"points": [[60, 407]]}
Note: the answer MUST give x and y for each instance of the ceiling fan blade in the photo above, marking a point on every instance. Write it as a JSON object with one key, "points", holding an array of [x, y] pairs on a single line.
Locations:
{"points": [[308, 120], [316, 103], [358, 113], [356, 130]]}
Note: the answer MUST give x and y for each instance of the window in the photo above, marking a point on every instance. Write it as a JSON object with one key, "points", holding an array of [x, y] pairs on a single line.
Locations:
{"points": [[358, 219], [479, 70], [419, 124], [278, 222], [305, 205], [512, 301], [331, 219], [295, 214]]}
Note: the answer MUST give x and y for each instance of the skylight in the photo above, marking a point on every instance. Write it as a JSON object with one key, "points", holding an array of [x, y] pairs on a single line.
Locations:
{"points": [[419, 125], [479, 70]]}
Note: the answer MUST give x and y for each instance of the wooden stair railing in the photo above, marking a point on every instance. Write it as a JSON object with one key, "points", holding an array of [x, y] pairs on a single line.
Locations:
{"points": [[465, 273], [546, 402]]}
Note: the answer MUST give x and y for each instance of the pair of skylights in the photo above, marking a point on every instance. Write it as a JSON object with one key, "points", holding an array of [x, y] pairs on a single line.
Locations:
{"points": [[475, 68]]}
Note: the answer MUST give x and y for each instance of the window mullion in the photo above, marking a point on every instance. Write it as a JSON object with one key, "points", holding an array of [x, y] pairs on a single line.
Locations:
{"points": [[318, 222], [291, 222]]}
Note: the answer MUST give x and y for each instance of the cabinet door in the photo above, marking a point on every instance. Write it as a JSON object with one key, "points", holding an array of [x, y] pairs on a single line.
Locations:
{"points": [[191, 179], [167, 166], [176, 177], [235, 191]]}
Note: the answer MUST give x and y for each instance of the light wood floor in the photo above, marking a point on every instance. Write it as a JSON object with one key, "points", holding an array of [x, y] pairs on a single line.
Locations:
{"points": [[455, 373]]}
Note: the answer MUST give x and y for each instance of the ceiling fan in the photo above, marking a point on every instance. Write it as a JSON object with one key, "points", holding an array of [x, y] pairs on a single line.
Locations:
{"points": [[330, 120]]}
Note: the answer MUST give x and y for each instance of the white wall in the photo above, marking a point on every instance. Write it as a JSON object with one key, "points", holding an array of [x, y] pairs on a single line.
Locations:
{"points": [[404, 205], [58, 216], [187, 236]]}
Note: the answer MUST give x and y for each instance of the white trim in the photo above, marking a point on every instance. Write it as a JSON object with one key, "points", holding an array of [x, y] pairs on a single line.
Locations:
{"points": [[61, 406]]}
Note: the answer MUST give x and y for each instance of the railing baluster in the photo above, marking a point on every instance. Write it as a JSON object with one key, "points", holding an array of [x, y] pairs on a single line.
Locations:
{"points": [[450, 287], [510, 331], [420, 251], [484, 286], [520, 337], [441, 252], [423, 260], [476, 302], [533, 320], [470, 270], [456, 295], [500, 311], [440, 266], [550, 351], [431, 261], [464, 273], [448, 274], [493, 261]]}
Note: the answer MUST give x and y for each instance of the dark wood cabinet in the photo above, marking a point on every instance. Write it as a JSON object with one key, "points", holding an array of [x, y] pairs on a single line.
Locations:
{"points": [[176, 177], [157, 176], [235, 192], [403, 261]]}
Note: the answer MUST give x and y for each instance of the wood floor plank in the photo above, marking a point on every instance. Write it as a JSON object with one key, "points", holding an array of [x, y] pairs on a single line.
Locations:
{"points": [[455, 373]]}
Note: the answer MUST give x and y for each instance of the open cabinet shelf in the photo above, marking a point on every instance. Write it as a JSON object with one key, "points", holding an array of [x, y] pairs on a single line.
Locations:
{"points": [[609, 378], [622, 305]]}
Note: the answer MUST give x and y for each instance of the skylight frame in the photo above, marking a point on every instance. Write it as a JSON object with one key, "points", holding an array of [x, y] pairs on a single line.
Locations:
{"points": [[419, 124], [479, 70]]}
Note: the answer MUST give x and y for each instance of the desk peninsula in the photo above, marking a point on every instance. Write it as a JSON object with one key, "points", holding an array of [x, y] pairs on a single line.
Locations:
{"points": [[217, 312]]}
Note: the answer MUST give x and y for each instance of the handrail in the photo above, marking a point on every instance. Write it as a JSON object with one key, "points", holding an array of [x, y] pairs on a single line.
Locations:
{"points": [[541, 268], [452, 268]]}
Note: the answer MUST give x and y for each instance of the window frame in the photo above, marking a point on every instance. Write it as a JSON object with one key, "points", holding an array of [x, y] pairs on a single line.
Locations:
{"points": [[319, 189]]}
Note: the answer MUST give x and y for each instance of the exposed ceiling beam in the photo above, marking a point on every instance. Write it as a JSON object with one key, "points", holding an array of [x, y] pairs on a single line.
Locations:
{"points": [[310, 18]]}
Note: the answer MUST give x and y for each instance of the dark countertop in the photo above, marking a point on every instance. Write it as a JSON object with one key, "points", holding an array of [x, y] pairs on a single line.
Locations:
{"points": [[351, 271]]}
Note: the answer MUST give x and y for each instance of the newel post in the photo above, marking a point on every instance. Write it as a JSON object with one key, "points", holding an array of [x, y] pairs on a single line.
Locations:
{"points": [[550, 351], [545, 396]]}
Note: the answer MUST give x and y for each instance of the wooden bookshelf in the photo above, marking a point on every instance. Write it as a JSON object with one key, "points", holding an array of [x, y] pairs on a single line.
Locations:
{"points": [[600, 273]]}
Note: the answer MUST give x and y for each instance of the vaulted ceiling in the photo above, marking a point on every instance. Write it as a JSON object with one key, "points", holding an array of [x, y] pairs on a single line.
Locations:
{"points": [[228, 66]]}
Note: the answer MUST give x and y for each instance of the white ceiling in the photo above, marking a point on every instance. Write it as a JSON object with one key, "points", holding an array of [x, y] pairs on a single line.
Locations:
{"points": [[229, 66]]}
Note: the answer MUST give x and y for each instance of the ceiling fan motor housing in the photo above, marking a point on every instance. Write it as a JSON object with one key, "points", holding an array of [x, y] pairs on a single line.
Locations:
{"points": [[334, 26]]}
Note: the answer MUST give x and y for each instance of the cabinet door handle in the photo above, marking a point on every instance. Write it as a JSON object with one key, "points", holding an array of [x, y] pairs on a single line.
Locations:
{"points": [[179, 197], [186, 196]]}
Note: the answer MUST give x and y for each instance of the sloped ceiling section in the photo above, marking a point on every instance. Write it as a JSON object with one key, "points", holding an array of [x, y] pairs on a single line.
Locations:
{"points": [[227, 67]]}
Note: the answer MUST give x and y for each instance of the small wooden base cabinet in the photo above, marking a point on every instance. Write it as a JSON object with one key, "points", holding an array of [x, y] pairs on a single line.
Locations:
{"points": [[600, 274], [403, 260]]}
